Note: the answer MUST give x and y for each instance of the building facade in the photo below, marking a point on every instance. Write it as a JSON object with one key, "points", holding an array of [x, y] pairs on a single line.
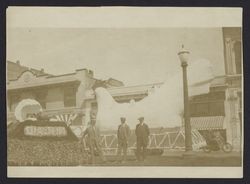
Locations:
{"points": [[62, 96], [233, 66], [221, 109]]}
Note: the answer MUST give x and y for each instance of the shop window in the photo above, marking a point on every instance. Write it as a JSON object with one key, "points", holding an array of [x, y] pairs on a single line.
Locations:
{"points": [[198, 109], [216, 108], [202, 109], [69, 97], [218, 95], [41, 98]]}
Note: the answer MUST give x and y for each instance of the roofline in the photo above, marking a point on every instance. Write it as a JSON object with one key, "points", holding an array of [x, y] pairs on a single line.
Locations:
{"points": [[139, 85], [66, 74], [80, 69], [34, 86], [26, 68], [45, 74], [42, 75], [23, 73], [12, 62]]}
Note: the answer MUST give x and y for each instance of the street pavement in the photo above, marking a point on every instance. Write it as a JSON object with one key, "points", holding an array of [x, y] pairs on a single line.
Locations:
{"points": [[176, 158]]}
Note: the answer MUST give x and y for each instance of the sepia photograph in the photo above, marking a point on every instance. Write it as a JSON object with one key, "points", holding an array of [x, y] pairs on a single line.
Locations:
{"points": [[92, 91]]}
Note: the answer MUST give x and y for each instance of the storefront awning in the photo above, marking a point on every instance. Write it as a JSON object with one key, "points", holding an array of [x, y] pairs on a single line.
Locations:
{"points": [[207, 123]]}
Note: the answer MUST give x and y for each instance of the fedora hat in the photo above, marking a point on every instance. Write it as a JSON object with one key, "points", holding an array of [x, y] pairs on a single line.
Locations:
{"points": [[141, 118]]}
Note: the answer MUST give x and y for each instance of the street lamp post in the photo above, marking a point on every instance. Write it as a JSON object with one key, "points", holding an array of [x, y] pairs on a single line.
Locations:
{"points": [[183, 56]]}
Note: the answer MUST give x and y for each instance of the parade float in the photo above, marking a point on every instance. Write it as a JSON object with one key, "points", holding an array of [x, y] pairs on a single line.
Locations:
{"points": [[37, 141], [162, 110]]}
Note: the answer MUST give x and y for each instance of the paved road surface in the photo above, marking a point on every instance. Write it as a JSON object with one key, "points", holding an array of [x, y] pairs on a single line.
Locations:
{"points": [[177, 159]]}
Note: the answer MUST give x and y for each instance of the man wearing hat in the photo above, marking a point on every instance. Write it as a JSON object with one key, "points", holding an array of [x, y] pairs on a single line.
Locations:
{"points": [[142, 134], [92, 140], [123, 134]]}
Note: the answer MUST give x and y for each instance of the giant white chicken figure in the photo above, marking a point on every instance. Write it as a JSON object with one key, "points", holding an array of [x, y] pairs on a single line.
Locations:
{"points": [[162, 107]]}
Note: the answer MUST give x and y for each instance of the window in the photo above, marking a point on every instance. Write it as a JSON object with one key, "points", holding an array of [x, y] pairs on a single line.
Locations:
{"points": [[207, 108], [69, 97], [202, 109], [211, 104], [216, 108], [41, 98]]}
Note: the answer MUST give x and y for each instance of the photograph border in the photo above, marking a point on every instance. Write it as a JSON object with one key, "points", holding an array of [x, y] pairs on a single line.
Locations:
{"points": [[3, 100]]}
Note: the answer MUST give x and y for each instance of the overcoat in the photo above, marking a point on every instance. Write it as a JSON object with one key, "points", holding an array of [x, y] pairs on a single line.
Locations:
{"points": [[142, 133]]}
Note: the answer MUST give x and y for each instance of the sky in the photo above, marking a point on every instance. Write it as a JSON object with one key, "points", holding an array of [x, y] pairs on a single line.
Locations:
{"points": [[132, 55], [137, 45]]}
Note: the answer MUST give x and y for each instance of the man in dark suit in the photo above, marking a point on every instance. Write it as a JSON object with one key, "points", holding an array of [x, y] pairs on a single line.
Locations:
{"points": [[142, 135], [123, 134]]}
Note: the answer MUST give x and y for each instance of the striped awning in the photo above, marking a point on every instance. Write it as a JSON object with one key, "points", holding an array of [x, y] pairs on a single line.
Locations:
{"points": [[207, 123]]}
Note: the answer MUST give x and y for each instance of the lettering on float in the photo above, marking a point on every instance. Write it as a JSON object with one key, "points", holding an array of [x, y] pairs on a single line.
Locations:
{"points": [[45, 131]]}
